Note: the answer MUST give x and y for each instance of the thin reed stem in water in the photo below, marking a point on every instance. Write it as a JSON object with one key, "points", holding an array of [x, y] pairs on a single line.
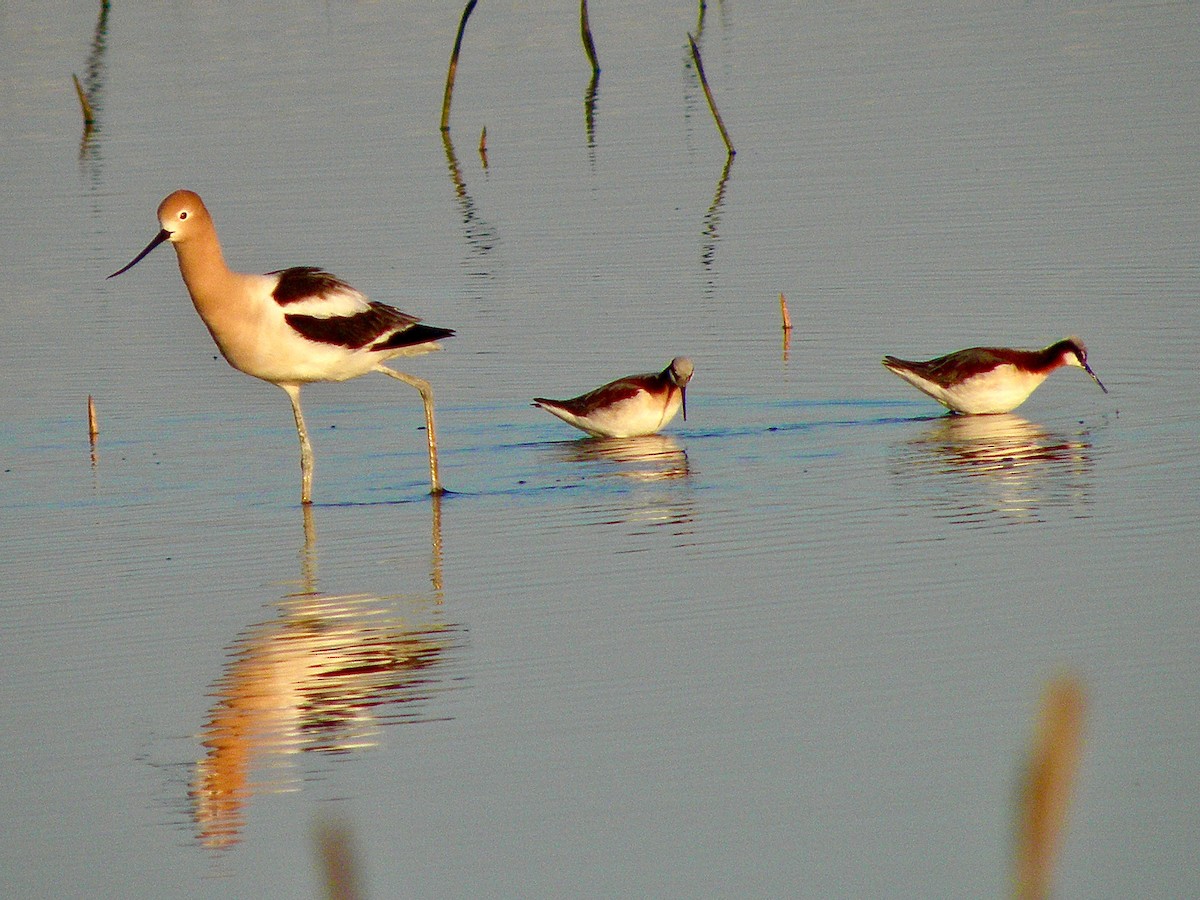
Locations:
{"points": [[462, 27], [85, 105], [712, 104], [589, 46]]}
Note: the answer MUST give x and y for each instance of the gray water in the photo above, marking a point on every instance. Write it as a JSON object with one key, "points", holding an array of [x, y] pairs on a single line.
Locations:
{"points": [[794, 646]]}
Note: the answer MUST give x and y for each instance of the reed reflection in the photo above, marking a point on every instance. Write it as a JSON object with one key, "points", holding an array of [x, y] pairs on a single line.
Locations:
{"points": [[723, 17], [981, 467], [90, 88], [324, 675], [692, 105], [712, 219], [589, 97], [481, 237]]}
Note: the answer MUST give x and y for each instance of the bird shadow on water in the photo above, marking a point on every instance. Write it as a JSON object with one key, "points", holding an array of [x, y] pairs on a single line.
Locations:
{"points": [[995, 470], [320, 678]]}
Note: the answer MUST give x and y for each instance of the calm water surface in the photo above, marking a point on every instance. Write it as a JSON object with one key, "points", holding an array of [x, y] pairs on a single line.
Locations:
{"points": [[792, 646]]}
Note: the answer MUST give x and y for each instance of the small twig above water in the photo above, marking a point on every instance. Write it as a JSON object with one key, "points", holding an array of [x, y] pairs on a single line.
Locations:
{"points": [[787, 325], [93, 428]]}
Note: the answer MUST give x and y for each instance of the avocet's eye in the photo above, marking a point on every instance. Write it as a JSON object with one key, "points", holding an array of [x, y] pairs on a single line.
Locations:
{"points": [[183, 215]]}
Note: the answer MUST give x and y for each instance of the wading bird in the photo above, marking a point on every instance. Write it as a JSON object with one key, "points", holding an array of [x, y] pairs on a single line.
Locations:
{"points": [[989, 379], [628, 407], [292, 326]]}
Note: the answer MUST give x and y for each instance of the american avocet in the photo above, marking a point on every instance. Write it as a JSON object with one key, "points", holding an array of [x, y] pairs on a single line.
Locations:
{"points": [[989, 379], [292, 326], [628, 407]]}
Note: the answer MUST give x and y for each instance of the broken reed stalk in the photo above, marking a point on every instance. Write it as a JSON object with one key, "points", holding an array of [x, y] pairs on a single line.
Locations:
{"points": [[462, 27], [589, 46], [85, 105], [712, 104], [1049, 779], [787, 326], [787, 318], [93, 428], [483, 146]]}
